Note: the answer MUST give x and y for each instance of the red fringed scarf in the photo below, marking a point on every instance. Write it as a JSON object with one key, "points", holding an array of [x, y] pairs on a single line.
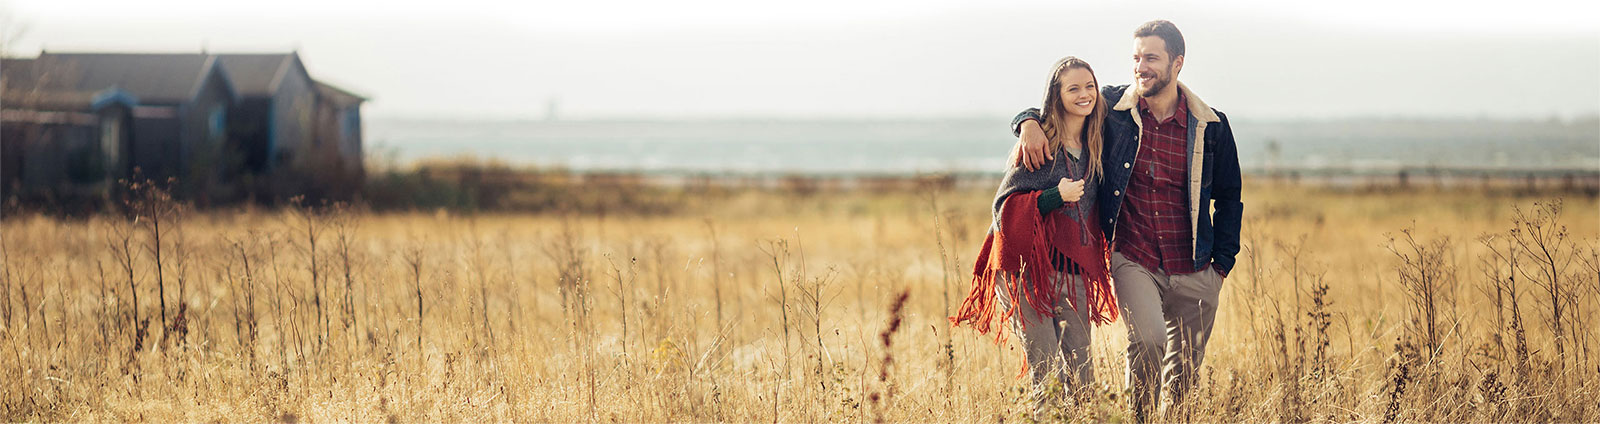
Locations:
{"points": [[1023, 243]]}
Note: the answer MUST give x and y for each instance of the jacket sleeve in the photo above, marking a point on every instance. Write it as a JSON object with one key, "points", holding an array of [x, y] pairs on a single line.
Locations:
{"points": [[1031, 113], [1225, 193]]}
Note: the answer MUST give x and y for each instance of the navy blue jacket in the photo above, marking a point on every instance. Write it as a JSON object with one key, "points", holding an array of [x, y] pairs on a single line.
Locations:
{"points": [[1215, 211]]}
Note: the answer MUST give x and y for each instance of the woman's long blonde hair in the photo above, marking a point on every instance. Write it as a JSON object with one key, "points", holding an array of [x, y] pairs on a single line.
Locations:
{"points": [[1052, 116]]}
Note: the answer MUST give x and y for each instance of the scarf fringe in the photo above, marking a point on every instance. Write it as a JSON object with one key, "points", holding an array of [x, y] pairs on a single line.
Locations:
{"points": [[980, 309], [1100, 297], [980, 306]]}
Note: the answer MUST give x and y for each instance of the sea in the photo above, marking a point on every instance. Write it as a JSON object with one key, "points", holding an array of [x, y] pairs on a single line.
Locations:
{"points": [[967, 145]]}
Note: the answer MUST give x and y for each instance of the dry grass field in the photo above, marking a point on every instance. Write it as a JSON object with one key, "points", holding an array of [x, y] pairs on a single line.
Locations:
{"points": [[1348, 305]]}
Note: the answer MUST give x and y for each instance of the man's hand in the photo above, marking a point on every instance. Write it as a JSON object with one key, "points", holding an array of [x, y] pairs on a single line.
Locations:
{"points": [[1071, 190], [1031, 152]]}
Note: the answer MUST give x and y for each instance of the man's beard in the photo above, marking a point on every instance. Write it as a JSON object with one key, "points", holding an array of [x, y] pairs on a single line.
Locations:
{"points": [[1160, 84]]}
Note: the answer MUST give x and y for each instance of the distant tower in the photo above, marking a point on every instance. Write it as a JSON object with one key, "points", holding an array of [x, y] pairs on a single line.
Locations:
{"points": [[550, 108], [1274, 153]]}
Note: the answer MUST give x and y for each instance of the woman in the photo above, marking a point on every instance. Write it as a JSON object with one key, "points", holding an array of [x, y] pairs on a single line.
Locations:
{"points": [[1046, 220]]}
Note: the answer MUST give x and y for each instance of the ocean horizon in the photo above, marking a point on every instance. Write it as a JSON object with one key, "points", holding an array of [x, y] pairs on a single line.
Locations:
{"points": [[970, 145]]}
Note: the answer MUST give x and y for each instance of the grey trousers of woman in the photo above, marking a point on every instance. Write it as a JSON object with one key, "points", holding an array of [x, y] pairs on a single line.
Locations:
{"points": [[1056, 347]]}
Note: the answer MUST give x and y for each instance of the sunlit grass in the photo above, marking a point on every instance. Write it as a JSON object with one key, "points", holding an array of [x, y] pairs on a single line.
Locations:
{"points": [[522, 315]]}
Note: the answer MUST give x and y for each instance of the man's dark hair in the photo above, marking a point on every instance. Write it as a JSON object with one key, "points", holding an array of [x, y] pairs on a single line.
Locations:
{"points": [[1167, 31]]}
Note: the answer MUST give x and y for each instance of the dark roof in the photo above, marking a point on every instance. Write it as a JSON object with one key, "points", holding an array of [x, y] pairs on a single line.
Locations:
{"points": [[258, 75], [10, 66], [153, 78], [25, 75], [338, 96], [47, 85], [163, 78]]}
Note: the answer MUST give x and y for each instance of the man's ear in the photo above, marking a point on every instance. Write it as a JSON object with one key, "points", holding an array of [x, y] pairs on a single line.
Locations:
{"points": [[1177, 66]]}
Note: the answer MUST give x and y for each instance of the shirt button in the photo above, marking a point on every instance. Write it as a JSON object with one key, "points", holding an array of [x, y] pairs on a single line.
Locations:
{"points": [[1116, 192], [1126, 165]]}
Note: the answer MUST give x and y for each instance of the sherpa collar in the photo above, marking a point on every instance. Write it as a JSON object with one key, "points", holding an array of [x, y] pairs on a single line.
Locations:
{"points": [[1198, 108]]}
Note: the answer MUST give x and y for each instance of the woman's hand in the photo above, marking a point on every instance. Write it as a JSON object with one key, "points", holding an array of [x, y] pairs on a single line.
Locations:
{"points": [[1071, 190]]}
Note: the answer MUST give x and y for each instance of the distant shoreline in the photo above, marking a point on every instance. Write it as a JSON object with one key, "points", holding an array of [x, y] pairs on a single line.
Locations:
{"points": [[910, 147], [1567, 179]]}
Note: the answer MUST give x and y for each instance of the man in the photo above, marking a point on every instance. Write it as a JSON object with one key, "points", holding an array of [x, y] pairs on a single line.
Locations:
{"points": [[1170, 206]]}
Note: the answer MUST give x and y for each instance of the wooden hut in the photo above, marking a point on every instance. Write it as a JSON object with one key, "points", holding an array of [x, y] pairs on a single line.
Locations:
{"points": [[179, 126], [223, 124], [272, 121], [60, 144], [337, 140]]}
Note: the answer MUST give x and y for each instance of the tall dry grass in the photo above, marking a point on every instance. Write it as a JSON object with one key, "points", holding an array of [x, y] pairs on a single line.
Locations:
{"points": [[1346, 305]]}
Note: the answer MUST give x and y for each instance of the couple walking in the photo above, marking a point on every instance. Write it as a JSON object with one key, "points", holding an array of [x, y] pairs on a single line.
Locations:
{"points": [[1120, 201]]}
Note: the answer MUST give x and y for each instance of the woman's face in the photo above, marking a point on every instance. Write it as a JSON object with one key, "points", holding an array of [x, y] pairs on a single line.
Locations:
{"points": [[1078, 92]]}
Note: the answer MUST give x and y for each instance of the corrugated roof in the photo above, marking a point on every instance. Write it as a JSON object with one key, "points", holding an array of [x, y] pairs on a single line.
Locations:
{"points": [[24, 75], [258, 74], [155, 78], [338, 95], [162, 78], [47, 85], [15, 67]]}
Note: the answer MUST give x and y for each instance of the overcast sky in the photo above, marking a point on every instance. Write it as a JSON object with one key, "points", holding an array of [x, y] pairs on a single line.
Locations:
{"points": [[855, 59]]}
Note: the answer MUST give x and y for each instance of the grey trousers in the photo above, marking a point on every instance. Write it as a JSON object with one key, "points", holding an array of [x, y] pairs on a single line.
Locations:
{"points": [[1056, 347], [1169, 320]]}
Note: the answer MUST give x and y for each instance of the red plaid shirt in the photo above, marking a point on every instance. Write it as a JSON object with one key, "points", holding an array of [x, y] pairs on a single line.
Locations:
{"points": [[1154, 228]]}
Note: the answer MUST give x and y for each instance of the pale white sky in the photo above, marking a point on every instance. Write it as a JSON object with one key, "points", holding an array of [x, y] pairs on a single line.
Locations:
{"points": [[843, 58]]}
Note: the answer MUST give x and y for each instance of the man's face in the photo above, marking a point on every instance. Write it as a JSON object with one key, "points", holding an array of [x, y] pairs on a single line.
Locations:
{"points": [[1153, 68]]}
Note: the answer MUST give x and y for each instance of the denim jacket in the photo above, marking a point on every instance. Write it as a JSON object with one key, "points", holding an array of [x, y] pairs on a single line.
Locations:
{"points": [[1215, 212]]}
